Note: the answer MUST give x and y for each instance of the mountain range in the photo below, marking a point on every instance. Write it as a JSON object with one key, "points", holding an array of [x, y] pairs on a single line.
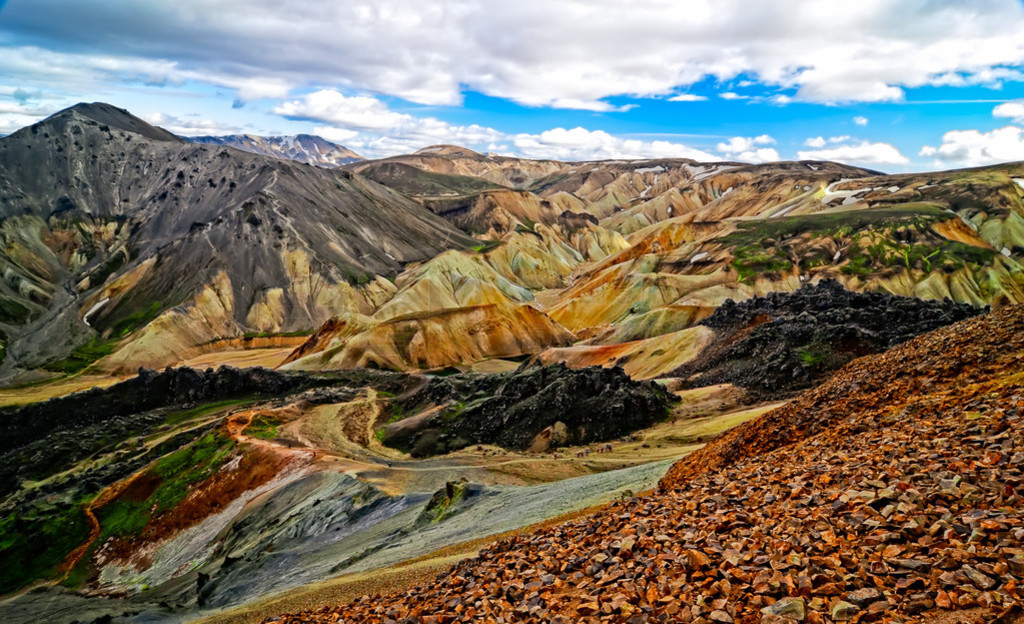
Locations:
{"points": [[119, 237]]}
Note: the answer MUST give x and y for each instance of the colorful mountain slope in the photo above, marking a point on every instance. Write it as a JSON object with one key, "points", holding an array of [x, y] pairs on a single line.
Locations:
{"points": [[674, 239]]}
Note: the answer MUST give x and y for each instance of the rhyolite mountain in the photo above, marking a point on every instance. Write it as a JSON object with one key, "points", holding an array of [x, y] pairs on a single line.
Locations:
{"points": [[110, 225], [624, 258], [307, 148]]}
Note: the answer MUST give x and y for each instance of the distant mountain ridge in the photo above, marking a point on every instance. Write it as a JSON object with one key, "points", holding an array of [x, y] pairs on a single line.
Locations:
{"points": [[306, 148]]}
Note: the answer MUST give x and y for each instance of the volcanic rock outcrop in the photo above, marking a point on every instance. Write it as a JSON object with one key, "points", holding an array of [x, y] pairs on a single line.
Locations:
{"points": [[534, 406], [783, 342]]}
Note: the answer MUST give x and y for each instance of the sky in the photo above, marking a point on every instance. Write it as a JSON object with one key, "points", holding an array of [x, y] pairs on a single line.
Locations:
{"points": [[893, 85]]}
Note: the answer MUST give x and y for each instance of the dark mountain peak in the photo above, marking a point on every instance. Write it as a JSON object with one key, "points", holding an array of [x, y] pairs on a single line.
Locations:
{"points": [[119, 118]]}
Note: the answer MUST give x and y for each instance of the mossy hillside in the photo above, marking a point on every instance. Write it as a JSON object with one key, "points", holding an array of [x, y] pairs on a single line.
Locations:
{"points": [[37, 537], [13, 312], [128, 316], [872, 251], [172, 477], [59, 455], [42, 529], [206, 409], [418, 182], [971, 191], [82, 357], [548, 181], [35, 540], [870, 241], [264, 427]]}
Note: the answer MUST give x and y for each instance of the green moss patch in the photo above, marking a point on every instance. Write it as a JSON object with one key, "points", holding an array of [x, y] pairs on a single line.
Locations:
{"points": [[443, 503], [13, 312], [415, 181], [836, 224], [82, 357], [263, 427], [164, 486], [486, 246], [870, 240], [137, 319], [34, 542], [176, 418]]}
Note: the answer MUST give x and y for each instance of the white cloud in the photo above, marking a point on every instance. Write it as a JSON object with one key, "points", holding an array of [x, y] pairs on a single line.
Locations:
{"points": [[366, 123], [687, 97], [1013, 110], [860, 120], [354, 112], [820, 141], [191, 127], [583, 144], [337, 135], [24, 108], [973, 148], [862, 153], [749, 149], [729, 95], [563, 53], [740, 144], [369, 126]]}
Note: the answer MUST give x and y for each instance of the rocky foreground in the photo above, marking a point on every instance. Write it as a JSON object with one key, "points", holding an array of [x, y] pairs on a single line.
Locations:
{"points": [[892, 493]]}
